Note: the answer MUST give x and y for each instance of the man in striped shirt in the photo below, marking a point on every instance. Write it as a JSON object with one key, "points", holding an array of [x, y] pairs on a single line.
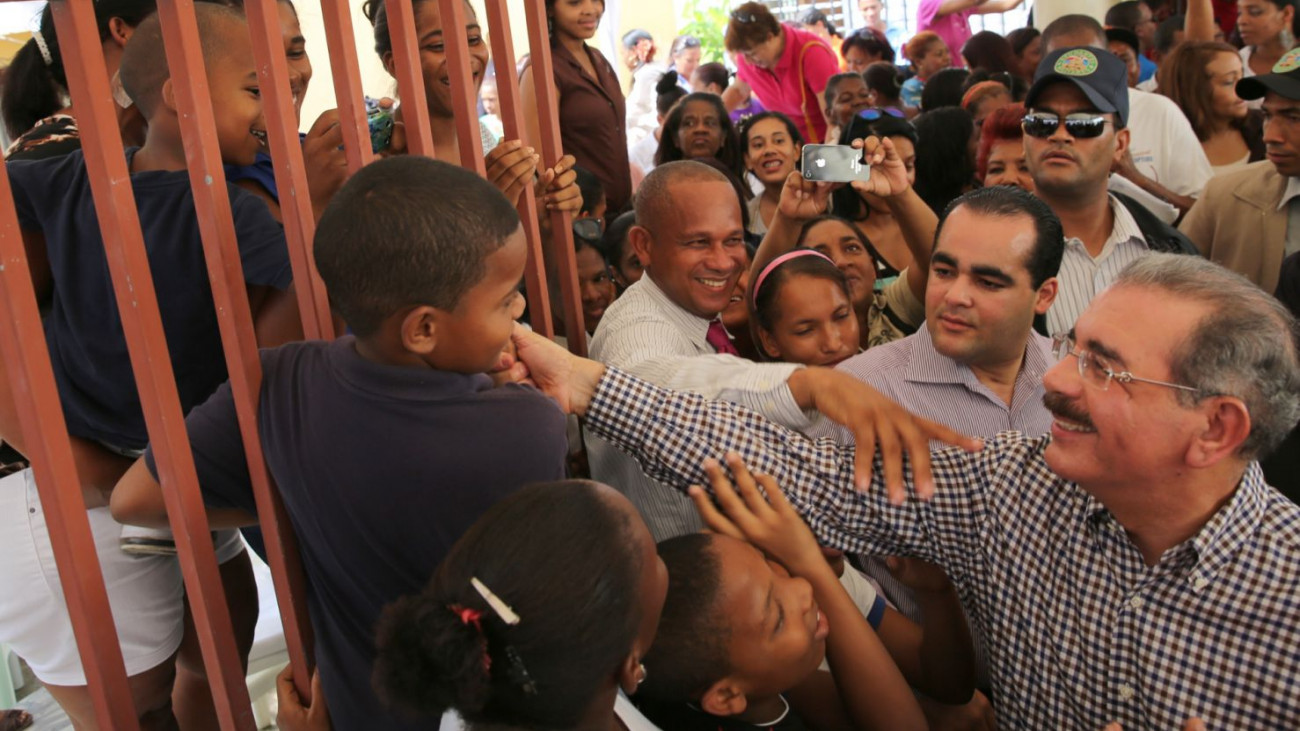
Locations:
{"points": [[1133, 566], [1075, 133]]}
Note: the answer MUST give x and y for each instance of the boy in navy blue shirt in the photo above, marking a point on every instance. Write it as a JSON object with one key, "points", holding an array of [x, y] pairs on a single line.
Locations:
{"points": [[83, 326], [388, 444]]}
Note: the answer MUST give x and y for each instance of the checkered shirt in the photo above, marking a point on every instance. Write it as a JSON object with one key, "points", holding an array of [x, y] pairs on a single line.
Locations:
{"points": [[1081, 632]]}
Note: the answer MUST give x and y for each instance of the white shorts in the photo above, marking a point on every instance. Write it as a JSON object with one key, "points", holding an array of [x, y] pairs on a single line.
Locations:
{"points": [[144, 592]]}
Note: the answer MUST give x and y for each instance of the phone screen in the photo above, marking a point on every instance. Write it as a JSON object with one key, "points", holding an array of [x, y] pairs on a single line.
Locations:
{"points": [[834, 164]]}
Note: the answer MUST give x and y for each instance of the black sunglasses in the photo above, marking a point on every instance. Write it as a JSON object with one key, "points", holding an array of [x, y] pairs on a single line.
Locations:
{"points": [[1080, 125]]}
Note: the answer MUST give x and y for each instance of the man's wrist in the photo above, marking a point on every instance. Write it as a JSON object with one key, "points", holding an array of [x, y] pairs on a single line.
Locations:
{"points": [[586, 377]]}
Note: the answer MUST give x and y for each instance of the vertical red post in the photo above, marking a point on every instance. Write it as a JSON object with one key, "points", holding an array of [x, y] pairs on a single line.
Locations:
{"points": [[548, 114], [410, 77], [45, 436], [346, 70], [464, 92], [512, 118], [290, 170], [142, 324]]}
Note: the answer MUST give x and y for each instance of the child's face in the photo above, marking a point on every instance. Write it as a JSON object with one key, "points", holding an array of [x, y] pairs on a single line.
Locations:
{"points": [[433, 55], [629, 268], [837, 241], [815, 323], [596, 286], [470, 338], [295, 51], [736, 317], [778, 634], [236, 99]]}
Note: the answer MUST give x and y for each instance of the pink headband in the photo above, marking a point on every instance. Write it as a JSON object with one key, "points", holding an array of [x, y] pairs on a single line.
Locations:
{"points": [[772, 265]]}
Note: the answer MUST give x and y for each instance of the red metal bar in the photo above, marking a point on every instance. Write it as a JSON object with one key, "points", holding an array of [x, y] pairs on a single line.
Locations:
{"points": [[410, 77], [346, 69], [290, 170], [548, 115], [464, 93], [45, 436], [237, 329], [512, 119], [142, 323]]}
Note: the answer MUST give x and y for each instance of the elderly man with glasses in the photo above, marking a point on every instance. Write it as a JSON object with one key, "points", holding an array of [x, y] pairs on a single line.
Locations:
{"points": [[1132, 566]]}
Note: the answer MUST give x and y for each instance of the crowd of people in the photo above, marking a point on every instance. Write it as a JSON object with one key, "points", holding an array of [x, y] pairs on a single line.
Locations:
{"points": [[1003, 435]]}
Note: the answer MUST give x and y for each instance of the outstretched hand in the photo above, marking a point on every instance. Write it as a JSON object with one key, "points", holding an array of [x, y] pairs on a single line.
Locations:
{"points": [[554, 371], [557, 187], [510, 166], [874, 420], [769, 523], [888, 171]]}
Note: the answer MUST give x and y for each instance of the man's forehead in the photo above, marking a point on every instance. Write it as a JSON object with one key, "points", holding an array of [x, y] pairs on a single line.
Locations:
{"points": [[1062, 94]]}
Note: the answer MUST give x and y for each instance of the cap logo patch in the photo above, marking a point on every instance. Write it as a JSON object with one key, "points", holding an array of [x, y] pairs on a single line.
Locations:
{"points": [[1079, 62], [1289, 62]]}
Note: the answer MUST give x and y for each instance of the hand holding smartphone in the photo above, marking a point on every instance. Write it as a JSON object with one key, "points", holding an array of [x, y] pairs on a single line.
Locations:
{"points": [[834, 164]]}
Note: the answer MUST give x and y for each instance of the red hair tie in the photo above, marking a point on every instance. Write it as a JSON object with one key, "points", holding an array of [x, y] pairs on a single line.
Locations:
{"points": [[469, 616]]}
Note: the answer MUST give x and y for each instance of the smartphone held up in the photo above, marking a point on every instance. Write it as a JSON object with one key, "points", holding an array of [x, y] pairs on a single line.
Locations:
{"points": [[834, 164]]}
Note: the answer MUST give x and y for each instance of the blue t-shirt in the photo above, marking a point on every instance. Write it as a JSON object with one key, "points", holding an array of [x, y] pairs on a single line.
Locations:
{"points": [[381, 468], [1146, 68], [84, 329]]}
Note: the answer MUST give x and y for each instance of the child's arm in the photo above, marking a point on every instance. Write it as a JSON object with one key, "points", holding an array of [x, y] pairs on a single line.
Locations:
{"points": [[800, 200], [276, 319], [138, 500], [936, 657], [871, 692]]}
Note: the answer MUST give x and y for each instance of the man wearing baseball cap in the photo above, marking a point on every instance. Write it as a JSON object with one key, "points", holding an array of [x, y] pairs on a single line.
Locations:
{"points": [[1249, 220], [1075, 132]]}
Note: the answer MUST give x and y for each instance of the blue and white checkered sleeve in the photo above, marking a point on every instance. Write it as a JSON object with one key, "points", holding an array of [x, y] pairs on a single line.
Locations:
{"points": [[671, 434]]}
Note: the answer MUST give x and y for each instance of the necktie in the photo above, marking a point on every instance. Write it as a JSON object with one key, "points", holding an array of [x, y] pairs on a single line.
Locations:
{"points": [[719, 339]]}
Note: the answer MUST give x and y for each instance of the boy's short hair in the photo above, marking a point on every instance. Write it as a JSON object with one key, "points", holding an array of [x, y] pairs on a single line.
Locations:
{"points": [[144, 70], [691, 649], [407, 231], [591, 188]]}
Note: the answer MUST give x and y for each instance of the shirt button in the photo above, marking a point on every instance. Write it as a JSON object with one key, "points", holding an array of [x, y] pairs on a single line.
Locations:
{"points": [[1125, 692], [1200, 582], [1136, 602]]}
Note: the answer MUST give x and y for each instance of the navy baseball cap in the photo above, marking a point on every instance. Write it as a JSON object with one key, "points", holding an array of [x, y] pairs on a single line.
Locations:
{"points": [[1098, 73], [1284, 79]]}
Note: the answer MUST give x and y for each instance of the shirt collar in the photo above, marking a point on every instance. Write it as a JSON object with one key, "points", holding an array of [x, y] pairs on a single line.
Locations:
{"points": [[1292, 190], [400, 382], [697, 328], [1124, 229], [1221, 538], [928, 365]]}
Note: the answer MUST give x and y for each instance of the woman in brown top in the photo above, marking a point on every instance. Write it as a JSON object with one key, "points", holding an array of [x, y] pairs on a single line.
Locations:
{"points": [[592, 122]]}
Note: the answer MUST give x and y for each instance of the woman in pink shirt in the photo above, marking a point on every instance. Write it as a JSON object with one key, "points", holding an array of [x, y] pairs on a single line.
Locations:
{"points": [[950, 19], [787, 68]]}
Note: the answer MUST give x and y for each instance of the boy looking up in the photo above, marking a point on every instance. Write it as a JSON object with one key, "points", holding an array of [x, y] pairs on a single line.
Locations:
{"points": [[387, 444], [92, 368]]}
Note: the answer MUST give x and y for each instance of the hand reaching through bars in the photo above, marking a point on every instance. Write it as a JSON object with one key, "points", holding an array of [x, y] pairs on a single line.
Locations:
{"points": [[557, 188], [325, 160], [510, 166]]}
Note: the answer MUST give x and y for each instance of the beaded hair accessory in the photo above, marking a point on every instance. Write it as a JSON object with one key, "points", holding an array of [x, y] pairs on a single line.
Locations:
{"points": [[772, 265], [45, 49]]}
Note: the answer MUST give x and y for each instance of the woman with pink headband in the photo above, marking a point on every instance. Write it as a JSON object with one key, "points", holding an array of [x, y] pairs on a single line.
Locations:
{"points": [[802, 311]]}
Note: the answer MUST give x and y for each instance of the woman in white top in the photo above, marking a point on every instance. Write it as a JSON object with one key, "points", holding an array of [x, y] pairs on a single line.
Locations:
{"points": [[771, 145], [1201, 78]]}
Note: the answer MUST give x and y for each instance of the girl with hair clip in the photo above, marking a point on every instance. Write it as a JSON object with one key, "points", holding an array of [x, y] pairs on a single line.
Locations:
{"points": [[712, 77], [538, 618], [698, 127], [885, 84], [36, 85]]}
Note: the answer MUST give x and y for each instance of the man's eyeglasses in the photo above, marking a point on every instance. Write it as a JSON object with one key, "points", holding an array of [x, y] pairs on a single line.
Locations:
{"points": [[875, 113], [1080, 125], [589, 230], [1097, 371]]}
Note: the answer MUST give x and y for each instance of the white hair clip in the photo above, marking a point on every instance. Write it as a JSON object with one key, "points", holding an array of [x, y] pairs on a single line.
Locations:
{"points": [[502, 609], [45, 49]]}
